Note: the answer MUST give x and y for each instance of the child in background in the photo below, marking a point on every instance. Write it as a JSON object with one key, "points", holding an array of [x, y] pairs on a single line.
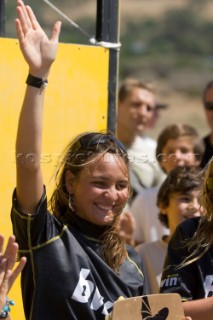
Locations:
{"points": [[188, 268], [177, 145], [177, 200]]}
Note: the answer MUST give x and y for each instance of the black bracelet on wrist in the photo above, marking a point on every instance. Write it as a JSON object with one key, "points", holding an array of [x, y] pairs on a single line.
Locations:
{"points": [[36, 82]]}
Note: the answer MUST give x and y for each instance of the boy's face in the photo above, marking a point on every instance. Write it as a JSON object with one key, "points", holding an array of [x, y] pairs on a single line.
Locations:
{"points": [[178, 152], [181, 207]]}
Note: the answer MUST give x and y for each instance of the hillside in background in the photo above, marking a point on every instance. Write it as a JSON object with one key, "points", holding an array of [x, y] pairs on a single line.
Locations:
{"points": [[163, 41]]}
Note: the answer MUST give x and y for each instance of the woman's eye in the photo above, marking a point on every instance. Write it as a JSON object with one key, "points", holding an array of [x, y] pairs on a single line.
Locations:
{"points": [[100, 184], [184, 151], [122, 186], [185, 199]]}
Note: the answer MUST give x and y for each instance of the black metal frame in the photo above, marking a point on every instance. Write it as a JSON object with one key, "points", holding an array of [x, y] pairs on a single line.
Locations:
{"points": [[107, 29], [2, 18]]}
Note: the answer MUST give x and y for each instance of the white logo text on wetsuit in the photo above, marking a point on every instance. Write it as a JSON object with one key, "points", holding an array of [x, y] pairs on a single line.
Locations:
{"points": [[84, 290]]}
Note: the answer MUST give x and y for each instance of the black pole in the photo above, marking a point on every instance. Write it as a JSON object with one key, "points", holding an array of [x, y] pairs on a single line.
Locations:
{"points": [[107, 29], [2, 18]]}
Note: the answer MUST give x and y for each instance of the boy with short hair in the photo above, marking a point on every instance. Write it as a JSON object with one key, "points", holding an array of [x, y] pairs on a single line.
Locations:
{"points": [[177, 200]]}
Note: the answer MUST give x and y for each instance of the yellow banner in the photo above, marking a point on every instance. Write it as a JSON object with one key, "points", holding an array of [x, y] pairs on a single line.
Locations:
{"points": [[76, 101]]}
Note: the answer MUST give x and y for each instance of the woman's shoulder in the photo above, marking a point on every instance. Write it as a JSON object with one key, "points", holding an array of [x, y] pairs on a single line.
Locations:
{"points": [[134, 256]]}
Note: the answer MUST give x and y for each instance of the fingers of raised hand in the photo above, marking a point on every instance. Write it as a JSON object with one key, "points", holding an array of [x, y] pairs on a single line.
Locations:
{"points": [[27, 19], [3, 265], [4, 287], [7, 276], [1, 244], [56, 31], [17, 271], [11, 252], [19, 267], [7, 262], [23, 16]]}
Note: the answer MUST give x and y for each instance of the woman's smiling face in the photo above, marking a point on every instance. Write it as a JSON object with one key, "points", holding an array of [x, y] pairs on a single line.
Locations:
{"points": [[101, 190]]}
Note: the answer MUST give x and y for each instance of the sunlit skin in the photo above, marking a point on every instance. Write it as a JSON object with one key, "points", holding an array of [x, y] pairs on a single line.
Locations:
{"points": [[209, 113], [181, 207], [135, 113], [101, 190], [178, 152]]}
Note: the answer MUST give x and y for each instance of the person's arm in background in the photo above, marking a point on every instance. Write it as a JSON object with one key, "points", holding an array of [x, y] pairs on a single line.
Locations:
{"points": [[39, 53], [126, 226], [135, 210], [7, 262]]}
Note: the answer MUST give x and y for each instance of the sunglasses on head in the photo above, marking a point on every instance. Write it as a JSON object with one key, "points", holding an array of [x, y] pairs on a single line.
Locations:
{"points": [[92, 139], [208, 105]]}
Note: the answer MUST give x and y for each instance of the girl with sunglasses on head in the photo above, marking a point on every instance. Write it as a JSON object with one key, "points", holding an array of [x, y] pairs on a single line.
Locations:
{"points": [[77, 263]]}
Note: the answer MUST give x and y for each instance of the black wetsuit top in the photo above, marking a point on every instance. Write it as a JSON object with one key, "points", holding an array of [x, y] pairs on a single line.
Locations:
{"points": [[194, 281], [65, 278]]}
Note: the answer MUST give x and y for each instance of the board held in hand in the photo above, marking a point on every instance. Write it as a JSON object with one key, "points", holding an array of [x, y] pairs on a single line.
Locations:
{"points": [[148, 307]]}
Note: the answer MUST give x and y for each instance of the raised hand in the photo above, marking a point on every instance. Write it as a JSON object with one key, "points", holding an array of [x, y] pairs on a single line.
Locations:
{"points": [[38, 50], [7, 262]]}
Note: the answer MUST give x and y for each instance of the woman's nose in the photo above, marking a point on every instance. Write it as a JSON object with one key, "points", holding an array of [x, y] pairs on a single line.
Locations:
{"points": [[111, 193]]}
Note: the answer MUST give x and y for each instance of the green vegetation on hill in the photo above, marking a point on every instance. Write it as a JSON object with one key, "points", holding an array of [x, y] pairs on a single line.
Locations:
{"points": [[178, 40]]}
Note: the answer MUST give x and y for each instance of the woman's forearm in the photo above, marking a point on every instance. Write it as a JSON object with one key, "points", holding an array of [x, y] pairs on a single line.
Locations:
{"points": [[29, 135], [28, 150], [39, 52]]}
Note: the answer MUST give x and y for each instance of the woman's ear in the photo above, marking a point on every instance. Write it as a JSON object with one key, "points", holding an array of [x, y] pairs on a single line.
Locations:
{"points": [[69, 181]]}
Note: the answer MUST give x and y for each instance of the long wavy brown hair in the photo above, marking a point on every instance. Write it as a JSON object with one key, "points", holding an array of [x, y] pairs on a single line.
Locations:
{"points": [[80, 152]]}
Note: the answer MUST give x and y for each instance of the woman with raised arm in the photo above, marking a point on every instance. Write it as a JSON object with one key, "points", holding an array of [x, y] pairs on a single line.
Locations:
{"points": [[77, 264]]}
